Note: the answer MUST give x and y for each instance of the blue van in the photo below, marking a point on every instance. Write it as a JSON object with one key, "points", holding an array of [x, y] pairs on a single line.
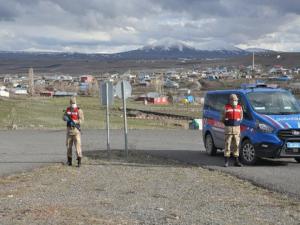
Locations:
{"points": [[270, 127]]}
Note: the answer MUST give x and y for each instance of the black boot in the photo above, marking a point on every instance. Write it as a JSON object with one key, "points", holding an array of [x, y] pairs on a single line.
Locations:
{"points": [[69, 161], [79, 161], [226, 162], [237, 162]]}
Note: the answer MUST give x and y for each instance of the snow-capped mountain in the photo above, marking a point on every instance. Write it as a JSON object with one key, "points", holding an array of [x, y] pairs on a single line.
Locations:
{"points": [[175, 50], [258, 50], [164, 49], [167, 44]]}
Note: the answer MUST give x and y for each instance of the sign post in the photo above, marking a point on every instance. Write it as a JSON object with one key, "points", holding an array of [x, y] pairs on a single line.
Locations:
{"points": [[125, 120], [107, 120], [123, 91], [107, 100]]}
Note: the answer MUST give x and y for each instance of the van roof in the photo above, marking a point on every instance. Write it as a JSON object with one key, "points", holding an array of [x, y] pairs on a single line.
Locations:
{"points": [[247, 90]]}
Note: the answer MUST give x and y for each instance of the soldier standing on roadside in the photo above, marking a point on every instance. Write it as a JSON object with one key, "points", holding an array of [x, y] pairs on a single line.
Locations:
{"points": [[74, 117], [232, 117]]}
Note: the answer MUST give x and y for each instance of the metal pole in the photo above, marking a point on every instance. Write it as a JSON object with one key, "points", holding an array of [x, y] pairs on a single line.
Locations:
{"points": [[253, 61], [125, 120], [107, 120]]}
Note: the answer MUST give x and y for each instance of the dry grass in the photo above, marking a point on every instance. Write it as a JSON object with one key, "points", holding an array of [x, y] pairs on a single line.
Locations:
{"points": [[46, 113]]}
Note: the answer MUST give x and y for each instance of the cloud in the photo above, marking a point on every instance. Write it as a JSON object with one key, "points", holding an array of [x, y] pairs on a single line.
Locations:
{"points": [[117, 25]]}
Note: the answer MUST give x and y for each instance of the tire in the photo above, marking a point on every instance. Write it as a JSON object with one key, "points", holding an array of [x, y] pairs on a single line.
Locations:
{"points": [[297, 159], [209, 145], [247, 153]]}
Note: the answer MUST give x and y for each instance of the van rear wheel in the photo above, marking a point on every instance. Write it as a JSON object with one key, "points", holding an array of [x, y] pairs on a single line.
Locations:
{"points": [[247, 153], [297, 159], [210, 146]]}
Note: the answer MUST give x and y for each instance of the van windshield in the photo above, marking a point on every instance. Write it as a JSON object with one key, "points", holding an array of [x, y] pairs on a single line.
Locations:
{"points": [[274, 103]]}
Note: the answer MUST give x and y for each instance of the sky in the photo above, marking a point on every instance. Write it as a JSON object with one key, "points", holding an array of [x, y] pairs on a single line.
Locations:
{"points": [[109, 26]]}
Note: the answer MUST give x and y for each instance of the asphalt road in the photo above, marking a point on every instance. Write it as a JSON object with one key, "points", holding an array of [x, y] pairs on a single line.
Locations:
{"points": [[25, 150]]}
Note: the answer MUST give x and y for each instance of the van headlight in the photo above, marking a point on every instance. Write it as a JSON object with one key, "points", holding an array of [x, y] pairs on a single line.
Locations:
{"points": [[264, 127]]}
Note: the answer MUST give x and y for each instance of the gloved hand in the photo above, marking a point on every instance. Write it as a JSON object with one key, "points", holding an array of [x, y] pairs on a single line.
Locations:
{"points": [[65, 118]]}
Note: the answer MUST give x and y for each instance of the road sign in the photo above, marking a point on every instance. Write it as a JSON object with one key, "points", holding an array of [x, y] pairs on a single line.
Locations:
{"points": [[106, 94], [127, 89]]}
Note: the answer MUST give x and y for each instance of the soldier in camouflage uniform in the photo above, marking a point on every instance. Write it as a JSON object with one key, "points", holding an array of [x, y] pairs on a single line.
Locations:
{"points": [[232, 117], [74, 117]]}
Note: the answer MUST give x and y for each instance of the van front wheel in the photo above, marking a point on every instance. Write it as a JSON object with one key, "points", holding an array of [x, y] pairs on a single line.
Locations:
{"points": [[210, 146], [247, 153], [297, 159]]}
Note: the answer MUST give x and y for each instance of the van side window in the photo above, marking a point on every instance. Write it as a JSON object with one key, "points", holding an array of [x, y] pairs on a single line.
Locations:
{"points": [[207, 102], [221, 101], [216, 102], [210, 102], [246, 112]]}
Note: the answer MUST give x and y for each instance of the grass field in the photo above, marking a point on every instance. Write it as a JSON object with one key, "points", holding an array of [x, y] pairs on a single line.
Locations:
{"points": [[46, 113]]}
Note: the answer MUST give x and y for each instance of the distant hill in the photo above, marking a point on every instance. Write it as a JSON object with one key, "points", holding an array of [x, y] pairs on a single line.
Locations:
{"points": [[179, 51], [143, 53], [174, 51], [21, 55], [78, 64], [155, 56], [164, 50]]}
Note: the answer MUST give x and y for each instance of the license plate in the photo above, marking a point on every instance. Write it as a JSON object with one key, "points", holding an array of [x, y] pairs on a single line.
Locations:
{"points": [[293, 144], [292, 151]]}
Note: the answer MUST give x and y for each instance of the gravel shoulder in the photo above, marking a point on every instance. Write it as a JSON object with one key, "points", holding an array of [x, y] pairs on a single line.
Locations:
{"points": [[145, 190]]}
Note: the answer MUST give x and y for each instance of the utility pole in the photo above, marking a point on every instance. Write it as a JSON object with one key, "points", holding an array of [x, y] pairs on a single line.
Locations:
{"points": [[253, 65], [159, 84], [31, 81], [253, 61]]}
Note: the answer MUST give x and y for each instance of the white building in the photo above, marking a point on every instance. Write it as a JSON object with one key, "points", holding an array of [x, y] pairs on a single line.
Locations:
{"points": [[4, 92]]}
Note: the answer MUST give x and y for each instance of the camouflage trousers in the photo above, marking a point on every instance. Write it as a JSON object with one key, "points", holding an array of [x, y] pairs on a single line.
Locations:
{"points": [[73, 138], [232, 139]]}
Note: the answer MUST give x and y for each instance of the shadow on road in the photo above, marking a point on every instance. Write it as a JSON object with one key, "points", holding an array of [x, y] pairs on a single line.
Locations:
{"points": [[136, 158], [185, 157], [201, 158], [29, 162]]}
